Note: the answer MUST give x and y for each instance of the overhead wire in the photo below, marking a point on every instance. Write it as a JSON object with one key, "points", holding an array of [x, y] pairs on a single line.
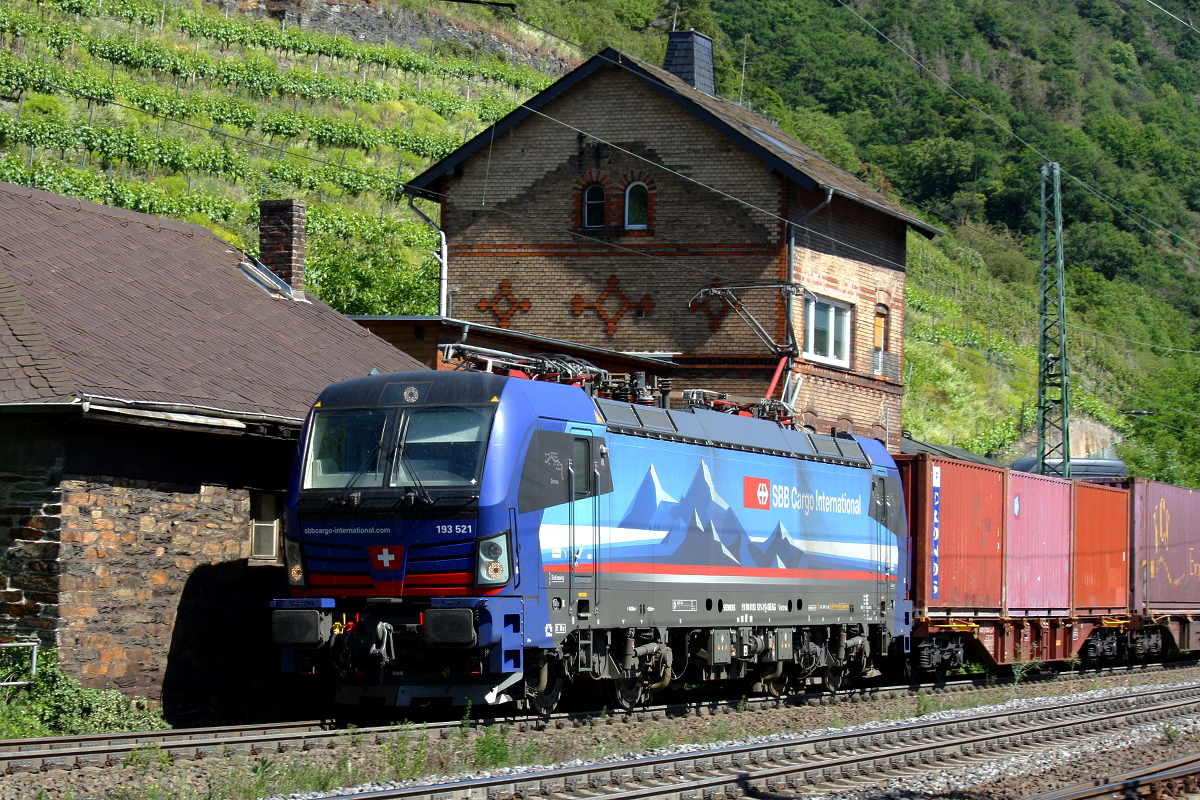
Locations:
{"points": [[1121, 208], [695, 181], [272, 149], [1013, 134]]}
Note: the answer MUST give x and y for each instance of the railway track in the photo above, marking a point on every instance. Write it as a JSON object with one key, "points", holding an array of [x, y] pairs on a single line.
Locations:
{"points": [[1174, 778], [821, 763], [106, 750]]}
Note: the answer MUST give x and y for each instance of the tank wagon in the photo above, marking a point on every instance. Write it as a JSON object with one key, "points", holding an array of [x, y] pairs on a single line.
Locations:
{"points": [[485, 536]]}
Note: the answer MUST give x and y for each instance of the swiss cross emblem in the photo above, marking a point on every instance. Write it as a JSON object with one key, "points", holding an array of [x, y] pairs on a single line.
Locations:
{"points": [[385, 557]]}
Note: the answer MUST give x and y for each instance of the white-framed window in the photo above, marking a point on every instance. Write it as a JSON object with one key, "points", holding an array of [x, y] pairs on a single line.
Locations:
{"points": [[827, 331], [637, 207], [593, 206], [266, 510]]}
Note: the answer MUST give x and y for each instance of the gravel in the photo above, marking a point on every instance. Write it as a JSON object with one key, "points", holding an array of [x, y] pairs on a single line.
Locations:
{"points": [[412, 755]]}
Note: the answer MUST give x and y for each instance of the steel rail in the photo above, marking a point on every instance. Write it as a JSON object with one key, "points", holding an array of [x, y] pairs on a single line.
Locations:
{"points": [[32, 755], [803, 763], [1130, 783]]}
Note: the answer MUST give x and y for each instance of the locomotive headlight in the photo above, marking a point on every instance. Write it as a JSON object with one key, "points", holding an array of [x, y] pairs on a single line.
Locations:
{"points": [[293, 556], [492, 563]]}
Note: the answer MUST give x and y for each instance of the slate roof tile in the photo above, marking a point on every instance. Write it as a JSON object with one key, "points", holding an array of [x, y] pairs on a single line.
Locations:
{"points": [[103, 301]]}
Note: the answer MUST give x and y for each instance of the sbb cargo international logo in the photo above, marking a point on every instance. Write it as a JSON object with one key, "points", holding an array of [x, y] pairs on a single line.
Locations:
{"points": [[756, 493]]}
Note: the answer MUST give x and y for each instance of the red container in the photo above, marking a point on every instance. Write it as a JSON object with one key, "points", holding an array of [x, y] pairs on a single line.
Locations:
{"points": [[1166, 547], [956, 520], [1037, 572], [1100, 543]]}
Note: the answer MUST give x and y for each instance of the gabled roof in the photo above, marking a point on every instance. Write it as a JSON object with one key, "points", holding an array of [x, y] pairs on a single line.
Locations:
{"points": [[100, 304], [778, 150]]}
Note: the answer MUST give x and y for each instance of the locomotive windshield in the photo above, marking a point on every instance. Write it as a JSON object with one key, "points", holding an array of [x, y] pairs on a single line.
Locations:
{"points": [[389, 448]]}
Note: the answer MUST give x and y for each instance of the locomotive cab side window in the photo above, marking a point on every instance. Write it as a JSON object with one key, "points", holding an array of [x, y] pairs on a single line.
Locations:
{"points": [[581, 467]]}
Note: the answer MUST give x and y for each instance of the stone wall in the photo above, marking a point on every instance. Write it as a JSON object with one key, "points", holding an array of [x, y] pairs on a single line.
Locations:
{"points": [[129, 549], [29, 556]]}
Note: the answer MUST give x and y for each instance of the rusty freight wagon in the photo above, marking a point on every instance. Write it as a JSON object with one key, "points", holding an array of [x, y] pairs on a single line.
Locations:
{"points": [[956, 522], [1166, 566], [1010, 567]]}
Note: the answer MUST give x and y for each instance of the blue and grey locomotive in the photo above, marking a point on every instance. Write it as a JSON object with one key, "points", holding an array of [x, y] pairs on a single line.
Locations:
{"points": [[479, 537]]}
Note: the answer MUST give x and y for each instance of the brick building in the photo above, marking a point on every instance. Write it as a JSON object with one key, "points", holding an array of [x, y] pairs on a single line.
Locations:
{"points": [[608, 208], [153, 381]]}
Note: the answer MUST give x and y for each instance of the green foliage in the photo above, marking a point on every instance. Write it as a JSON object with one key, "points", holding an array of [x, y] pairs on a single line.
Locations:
{"points": [[492, 749], [1108, 92], [55, 704]]}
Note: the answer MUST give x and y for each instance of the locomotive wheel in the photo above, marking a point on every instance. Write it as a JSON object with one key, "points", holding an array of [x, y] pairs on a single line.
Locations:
{"points": [[625, 693], [545, 701]]}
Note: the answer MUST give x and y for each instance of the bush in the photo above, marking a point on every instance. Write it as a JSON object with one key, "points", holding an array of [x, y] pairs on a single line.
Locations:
{"points": [[55, 704]]}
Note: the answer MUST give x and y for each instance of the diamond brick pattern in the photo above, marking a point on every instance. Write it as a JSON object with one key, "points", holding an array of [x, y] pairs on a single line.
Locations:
{"points": [[712, 307], [504, 304], [601, 305]]}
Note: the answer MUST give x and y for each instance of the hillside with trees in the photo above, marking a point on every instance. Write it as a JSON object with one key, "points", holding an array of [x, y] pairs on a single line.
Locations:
{"points": [[195, 110]]}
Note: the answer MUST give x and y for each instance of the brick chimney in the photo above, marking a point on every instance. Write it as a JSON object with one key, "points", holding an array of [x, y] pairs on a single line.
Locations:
{"points": [[281, 240], [690, 58]]}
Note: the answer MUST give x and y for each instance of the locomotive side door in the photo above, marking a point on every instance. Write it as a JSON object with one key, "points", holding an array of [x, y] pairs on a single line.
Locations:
{"points": [[880, 552], [584, 573]]}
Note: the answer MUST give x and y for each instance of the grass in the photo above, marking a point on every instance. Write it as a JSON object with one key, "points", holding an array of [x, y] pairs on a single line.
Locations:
{"points": [[409, 753], [53, 704]]}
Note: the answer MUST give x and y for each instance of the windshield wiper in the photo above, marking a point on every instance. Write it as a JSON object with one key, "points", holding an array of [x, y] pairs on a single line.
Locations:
{"points": [[358, 473], [422, 493]]}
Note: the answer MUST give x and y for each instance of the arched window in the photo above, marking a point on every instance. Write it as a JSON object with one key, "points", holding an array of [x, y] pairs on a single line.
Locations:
{"points": [[593, 206], [637, 206]]}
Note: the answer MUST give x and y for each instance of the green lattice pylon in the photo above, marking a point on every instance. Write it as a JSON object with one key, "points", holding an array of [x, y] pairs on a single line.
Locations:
{"points": [[1054, 374]]}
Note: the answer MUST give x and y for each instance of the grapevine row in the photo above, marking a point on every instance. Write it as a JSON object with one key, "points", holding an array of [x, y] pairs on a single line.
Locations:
{"points": [[323, 222], [260, 33], [259, 76], [141, 151], [17, 75]]}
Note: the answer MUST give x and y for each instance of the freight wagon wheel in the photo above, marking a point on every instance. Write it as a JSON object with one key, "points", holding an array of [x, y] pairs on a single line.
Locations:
{"points": [[777, 687], [832, 677], [545, 701], [625, 693]]}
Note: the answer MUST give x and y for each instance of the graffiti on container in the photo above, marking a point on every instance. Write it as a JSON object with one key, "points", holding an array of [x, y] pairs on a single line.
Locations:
{"points": [[1162, 547]]}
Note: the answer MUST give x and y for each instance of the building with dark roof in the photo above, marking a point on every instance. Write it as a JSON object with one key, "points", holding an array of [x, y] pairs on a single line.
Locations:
{"points": [[630, 208], [153, 381]]}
